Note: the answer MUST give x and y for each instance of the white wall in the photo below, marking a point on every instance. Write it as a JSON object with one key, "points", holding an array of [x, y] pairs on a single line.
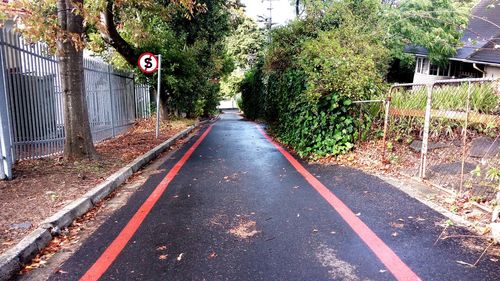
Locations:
{"points": [[420, 78], [227, 104], [492, 71], [423, 76]]}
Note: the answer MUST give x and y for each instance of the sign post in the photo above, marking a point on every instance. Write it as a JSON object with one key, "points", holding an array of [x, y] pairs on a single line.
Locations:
{"points": [[149, 63], [158, 99]]}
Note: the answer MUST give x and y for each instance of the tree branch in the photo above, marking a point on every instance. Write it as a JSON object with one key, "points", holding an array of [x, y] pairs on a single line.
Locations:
{"points": [[111, 36]]}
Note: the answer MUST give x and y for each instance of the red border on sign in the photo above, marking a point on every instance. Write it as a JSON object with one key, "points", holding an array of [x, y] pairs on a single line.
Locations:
{"points": [[144, 70]]}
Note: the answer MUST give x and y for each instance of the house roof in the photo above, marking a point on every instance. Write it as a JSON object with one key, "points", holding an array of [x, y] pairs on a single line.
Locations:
{"points": [[481, 37]]}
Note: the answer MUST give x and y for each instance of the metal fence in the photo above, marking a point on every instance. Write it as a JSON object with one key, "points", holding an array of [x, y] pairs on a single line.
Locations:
{"points": [[31, 101], [446, 132]]}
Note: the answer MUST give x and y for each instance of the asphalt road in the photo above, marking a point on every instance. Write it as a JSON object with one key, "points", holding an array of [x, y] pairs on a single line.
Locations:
{"points": [[229, 205]]}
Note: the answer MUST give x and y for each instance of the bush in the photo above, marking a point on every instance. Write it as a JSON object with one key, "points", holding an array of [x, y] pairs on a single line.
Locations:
{"points": [[251, 89], [309, 81]]}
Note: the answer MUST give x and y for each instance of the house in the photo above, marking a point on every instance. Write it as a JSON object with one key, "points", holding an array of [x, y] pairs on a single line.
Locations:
{"points": [[479, 57]]}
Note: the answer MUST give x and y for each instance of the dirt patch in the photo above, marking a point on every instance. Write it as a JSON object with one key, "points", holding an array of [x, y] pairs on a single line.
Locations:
{"points": [[337, 268], [43, 186], [244, 229], [239, 226]]}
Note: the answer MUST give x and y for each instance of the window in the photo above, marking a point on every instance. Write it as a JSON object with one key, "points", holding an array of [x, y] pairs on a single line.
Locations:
{"points": [[444, 71], [439, 71], [419, 65], [434, 69], [422, 65]]}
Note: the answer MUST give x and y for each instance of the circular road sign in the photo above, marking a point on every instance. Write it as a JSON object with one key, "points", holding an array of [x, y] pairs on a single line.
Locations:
{"points": [[148, 63]]}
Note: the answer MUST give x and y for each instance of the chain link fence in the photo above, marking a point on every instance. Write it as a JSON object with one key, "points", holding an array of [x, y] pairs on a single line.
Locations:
{"points": [[31, 101], [446, 132]]}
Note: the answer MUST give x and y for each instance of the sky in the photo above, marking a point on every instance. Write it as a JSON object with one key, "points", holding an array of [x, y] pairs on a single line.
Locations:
{"points": [[282, 11]]}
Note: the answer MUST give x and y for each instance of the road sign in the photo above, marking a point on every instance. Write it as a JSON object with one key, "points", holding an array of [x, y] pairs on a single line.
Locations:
{"points": [[148, 63]]}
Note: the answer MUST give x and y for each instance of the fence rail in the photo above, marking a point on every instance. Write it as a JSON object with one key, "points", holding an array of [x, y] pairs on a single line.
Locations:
{"points": [[446, 132], [31, 101]]}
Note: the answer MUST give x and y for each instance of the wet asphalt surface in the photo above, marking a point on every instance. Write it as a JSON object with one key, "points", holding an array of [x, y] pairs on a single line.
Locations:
{"points": [[237, 210]]}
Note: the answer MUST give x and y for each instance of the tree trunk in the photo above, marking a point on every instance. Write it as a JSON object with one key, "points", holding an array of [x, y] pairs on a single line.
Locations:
{"points": [[297, 8], [164, 110], [78, 143]]}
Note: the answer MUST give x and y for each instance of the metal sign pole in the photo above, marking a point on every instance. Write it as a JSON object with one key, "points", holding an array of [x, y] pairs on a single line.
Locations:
{"points": [[158, 99]]}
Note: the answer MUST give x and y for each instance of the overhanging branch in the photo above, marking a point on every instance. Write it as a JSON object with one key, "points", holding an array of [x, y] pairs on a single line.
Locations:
{"points": [[111, 36]]}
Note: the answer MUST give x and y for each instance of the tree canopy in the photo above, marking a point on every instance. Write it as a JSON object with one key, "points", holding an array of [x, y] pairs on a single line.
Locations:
{"points": [[333, 53], [338, 52]]}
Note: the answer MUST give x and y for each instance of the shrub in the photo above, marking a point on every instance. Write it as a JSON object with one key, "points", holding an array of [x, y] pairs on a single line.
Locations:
{"points": [[251, 89], [309, 82]]}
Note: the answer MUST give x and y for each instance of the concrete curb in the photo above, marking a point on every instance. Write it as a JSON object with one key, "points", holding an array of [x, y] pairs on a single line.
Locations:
{"points": [[12, 260]]}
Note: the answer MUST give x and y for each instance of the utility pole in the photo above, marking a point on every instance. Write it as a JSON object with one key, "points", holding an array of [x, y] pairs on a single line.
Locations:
{"points": [[268, 20]]}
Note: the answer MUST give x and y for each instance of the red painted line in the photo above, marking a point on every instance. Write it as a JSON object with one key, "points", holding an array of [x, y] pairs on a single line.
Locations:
{"points": [[393, 263], [114, 249]]}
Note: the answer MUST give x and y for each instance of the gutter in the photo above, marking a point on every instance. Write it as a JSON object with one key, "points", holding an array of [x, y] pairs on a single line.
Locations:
{"points": [[474, 65], [464, 60], [479, 62], [14, 258]]}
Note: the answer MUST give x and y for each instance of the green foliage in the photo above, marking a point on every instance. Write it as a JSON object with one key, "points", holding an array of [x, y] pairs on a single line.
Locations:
{"points": [[338, 52], [251, 88], [336, 56], [311, 76], [435, 25], [245, 47], [194, 56], [493, 174]]}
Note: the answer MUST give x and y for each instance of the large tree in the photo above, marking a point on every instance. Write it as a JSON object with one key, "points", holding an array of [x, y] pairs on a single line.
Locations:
{"points": [[192, 49], [78, 143], [65, 28], [245, 47]]}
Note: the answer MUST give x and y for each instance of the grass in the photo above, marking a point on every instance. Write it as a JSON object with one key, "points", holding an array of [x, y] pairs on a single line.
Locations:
{"points": [[484, 99]]}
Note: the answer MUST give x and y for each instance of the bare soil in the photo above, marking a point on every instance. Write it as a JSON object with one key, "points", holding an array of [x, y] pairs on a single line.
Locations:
{"points": [[43, 186]]}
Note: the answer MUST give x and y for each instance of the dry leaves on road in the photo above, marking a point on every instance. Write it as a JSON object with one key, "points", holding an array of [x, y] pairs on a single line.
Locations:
{"points": [[43, 186], [244, 229]]}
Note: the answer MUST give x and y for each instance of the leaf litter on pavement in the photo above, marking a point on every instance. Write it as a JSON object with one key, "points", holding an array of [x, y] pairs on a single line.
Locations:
{"points": [[41, 187]]}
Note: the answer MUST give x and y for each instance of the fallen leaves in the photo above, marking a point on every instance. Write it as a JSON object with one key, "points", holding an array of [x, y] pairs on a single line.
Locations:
{"points": [[212, 255], [46, 185], [161, 248], [244, 229], [396, 225]]}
